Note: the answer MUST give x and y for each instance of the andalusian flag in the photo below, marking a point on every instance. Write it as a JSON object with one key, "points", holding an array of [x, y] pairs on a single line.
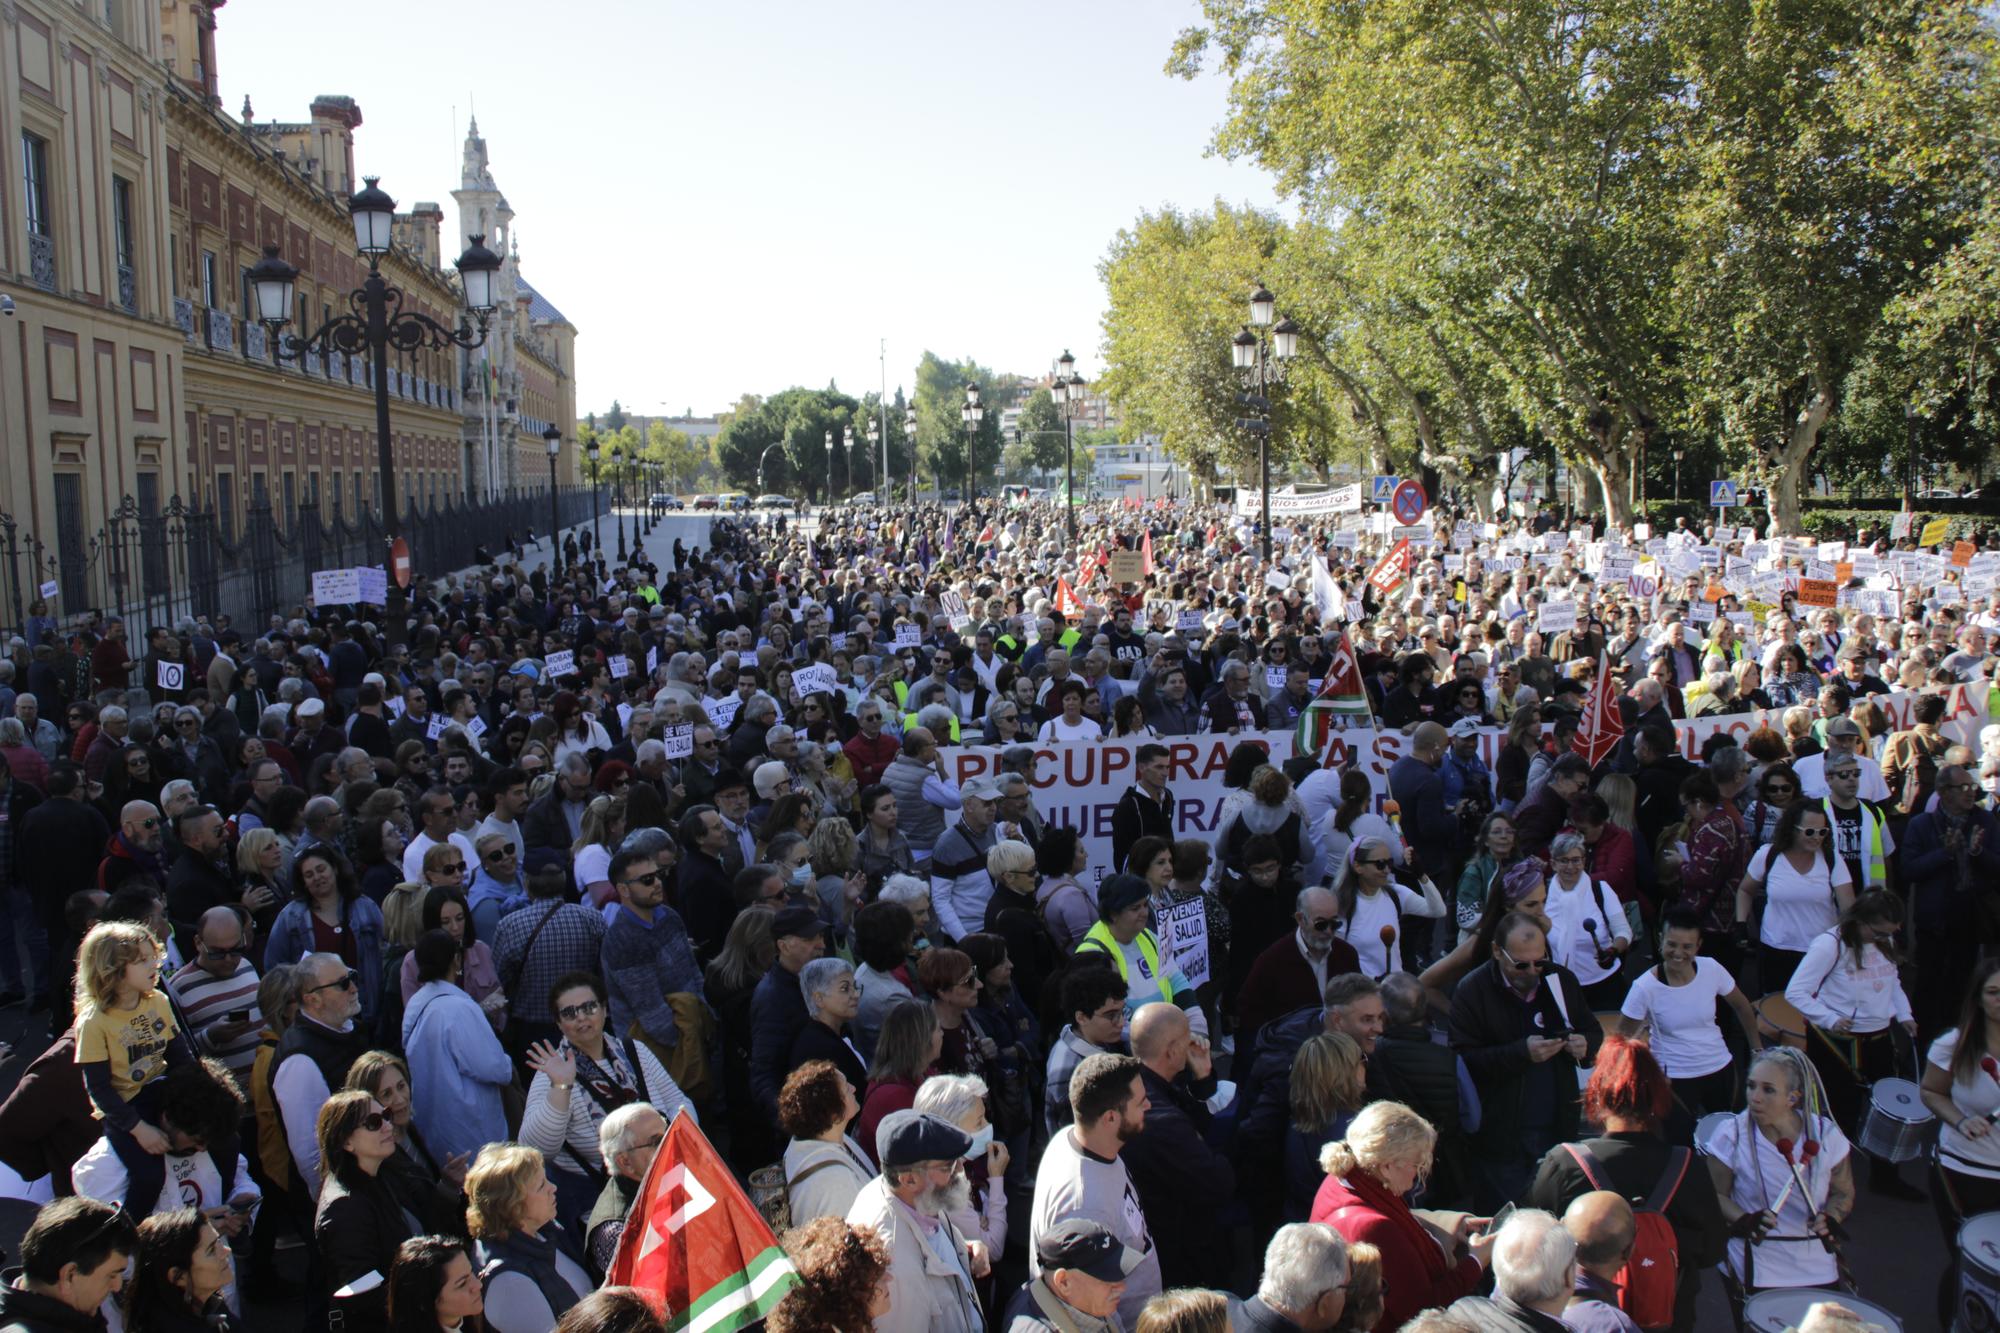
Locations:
{"points": [[1341, 697], [694, 1241]]}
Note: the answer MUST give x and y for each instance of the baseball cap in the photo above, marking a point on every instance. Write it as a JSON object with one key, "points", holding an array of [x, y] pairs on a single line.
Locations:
{"points": [[921, 1138], [1465, 726], [1086, 1247], [802, 922], [1843, 726], [1119, 892], [984, 789]]}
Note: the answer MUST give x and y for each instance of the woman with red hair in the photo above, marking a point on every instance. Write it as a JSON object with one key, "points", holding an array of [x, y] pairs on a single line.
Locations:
{"points": [[1628, 1094]]}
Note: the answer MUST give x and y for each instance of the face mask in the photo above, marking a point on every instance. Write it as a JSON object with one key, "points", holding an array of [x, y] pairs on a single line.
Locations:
{"points": [[803, 875], [982, 1139]]}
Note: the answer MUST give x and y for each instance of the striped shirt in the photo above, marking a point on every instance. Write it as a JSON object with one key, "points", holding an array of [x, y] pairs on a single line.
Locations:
{"points": [[205, 999]]}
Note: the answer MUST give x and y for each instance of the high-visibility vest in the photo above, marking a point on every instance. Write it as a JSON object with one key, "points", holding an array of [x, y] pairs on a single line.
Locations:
{"points": [[1068, 639], [910, 720], [1875, 865], [1099, 937]]}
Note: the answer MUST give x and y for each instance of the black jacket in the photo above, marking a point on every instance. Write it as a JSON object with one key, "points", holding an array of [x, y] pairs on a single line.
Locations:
{"points": [[817, 1041], [1633, 1165], [358, 1227], [777, 1013], [1185, 1186], [707, 903], [25, 1312], [1136, 816], [1430, 827], [194, 885], [543, 823], [1408, 1067], [1490, 1027], [60, 844]]}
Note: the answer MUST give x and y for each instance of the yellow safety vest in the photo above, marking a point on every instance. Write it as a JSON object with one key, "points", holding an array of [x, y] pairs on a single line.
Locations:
{"points": [[1068, 639], [1877, 865], [1099, 937], [910, 720]]}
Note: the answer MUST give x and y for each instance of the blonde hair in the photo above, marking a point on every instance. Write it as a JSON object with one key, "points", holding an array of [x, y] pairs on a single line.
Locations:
{"points": [[1384, 1132], [1365, 1301], [1621, 798], [403, 915], [1006, 855], [1185, 1310], [1327, 1079], [496, 1187], [599, 816], [109, 948], [252, 846]]}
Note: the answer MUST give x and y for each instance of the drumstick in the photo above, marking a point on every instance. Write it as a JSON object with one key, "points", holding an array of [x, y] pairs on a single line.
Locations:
{"points": [[1784, 1147]]}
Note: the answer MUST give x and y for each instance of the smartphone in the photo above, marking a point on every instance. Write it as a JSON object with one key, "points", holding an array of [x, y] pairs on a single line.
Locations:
{"points": [[1499, 1219]]}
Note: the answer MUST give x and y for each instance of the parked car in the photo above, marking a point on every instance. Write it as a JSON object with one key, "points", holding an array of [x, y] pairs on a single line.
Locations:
{"points": [[661, 500], [865, 498], [774, 502], [707, 502], [736, 501]]}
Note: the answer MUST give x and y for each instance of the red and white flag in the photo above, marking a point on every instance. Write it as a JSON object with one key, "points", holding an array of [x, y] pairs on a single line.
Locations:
{"points": [[696, 1243], [1391, 569], [1067, 602], [1603, 725]]}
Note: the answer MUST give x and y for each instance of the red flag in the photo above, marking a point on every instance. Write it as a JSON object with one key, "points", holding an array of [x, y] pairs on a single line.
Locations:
{"points": [[1146, 553], [985, 535], [1389, 571], [1603, 725], [695, 1241], [1067, 602]]}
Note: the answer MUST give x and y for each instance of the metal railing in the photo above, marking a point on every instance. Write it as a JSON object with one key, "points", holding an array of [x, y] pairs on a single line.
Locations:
{"points": [[156, 567]]}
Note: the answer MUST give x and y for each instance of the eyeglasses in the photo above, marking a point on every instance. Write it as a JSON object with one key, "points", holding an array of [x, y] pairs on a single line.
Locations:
{"points": [[349, 982], [569, 1013], [373, 1122], [149, 823], [1532, 965], [1956, 786], [1378, 862], [451, 868], [227, 951], [1322, 924], [651, 877], [1779, 788]]}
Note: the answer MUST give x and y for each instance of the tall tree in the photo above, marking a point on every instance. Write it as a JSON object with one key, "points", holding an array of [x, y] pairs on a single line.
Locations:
{"points": [[958, 459]]}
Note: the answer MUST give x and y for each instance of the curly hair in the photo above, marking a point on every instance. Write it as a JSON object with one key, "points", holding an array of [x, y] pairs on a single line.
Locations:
{"points": [[1627, 1082], [840, 1268], [811, 1100]]}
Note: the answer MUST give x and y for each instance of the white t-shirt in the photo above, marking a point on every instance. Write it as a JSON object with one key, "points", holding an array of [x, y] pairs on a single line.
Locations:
{"points": [[1797, 908], [1760, 1178], [1055, 729], [413, 855], [1371, 914], [592, 865], [1980, 1096], [1570, 913], [1685, 1039]]}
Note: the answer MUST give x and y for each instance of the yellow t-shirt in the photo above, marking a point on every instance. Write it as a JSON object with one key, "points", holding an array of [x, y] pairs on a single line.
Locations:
{"points": [[135, 1041]]}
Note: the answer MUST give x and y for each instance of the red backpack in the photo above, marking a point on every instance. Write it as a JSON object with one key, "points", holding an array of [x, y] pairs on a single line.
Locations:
{"points": [[1652, 1272]]}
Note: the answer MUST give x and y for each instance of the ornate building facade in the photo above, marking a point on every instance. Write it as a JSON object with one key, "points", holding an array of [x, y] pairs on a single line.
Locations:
{"points": [[523, 378]]}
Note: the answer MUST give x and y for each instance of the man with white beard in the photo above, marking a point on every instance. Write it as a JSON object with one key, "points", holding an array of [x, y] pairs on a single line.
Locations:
{"points": [[931, 1263]]}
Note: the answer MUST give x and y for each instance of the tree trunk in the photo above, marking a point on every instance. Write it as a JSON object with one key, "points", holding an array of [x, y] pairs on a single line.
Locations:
{"points": [[1614, 478], [1786, 464]]}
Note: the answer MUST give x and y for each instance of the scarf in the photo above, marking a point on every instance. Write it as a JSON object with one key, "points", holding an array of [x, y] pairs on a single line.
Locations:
{"points": [[533, 1257], [1373, 1194]]}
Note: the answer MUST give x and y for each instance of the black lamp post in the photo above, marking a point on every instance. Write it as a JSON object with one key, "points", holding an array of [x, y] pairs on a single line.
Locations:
{"points": [[1677, 472], [590, 451], [829, 467], [882, 473], [1252, 354], [377, 324], [910, 434], [553, 438], [1067, 390], [971, 414], [618, 496]]}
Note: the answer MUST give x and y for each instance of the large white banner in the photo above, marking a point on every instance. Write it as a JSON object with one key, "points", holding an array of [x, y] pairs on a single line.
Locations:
{"points": [[1342, 500], [1078, 784]]}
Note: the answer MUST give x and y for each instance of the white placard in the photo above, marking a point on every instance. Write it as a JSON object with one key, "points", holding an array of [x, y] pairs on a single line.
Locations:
{"points": [[476, 726], [51, 588], [171, 675], [1346, 540], [1184, 929], [722, 712], [652, 660], [908, 636], [561, 663], [624, 715], [1188, 622], [436, 729], [1556, 617], [619, 665], [1701, 612], [679, 741], [953, 604], [815, 679], [1275, 677], [333, 586], [371, 585]]}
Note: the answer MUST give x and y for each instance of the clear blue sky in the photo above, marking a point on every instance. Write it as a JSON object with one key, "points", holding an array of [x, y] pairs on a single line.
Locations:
{"points": [[732, 198]]}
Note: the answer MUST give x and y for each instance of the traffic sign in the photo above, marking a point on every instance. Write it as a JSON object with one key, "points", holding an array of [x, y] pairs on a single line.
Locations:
{"points": [[1381, 489], [1408, 502], [399, 562], [1722, 494]]}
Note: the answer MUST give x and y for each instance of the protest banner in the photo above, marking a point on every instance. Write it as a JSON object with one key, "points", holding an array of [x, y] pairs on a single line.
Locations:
{"points": [[1556, 617], [1183, 928], [561, 663], [371, 585], [335, 586], [815, 679], [1127, 567]]}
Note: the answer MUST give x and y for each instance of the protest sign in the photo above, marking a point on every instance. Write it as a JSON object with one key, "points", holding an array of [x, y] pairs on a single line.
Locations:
{"points": [[561, 663], [1188, 622], [334, 586], [1934, 532], [679, 741], [1183, 928], [1818, 592], [371, 585], [722, 712], [171, 675], [1556, 617], [815, 679], [51, 588], [1127, 566], [908, 636], [620, 666]]}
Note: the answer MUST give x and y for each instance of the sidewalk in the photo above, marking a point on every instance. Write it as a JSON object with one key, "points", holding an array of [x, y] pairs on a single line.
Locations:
{"points": [[658, 543]]}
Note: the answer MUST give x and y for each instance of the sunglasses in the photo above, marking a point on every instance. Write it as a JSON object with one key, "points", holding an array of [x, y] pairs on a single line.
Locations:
{"points": [[349, 982], [451, 868], [1323, 924], [149, 823], [1532, 965], [1774, 788], [373, 1122], [1377, 862], [652, 877], [569, 1013]]}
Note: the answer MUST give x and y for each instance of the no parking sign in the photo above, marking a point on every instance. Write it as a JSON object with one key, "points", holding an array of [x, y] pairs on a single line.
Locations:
{"points": [[1409, 502]]}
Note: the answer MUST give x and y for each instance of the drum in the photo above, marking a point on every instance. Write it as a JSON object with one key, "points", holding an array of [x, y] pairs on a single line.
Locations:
{"points": [[1705, 1129], [1779, 1020], [1978, 1275], [1898, 1126], [1783, 1308]]}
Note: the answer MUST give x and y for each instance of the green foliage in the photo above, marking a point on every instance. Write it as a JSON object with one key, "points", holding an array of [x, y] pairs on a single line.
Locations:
{"points": [[942, 438], [786, 434], [1041, 432]]}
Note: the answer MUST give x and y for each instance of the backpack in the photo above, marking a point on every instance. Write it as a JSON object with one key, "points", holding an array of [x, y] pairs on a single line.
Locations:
{"points": [[1647, 1283], [1920, 773]]}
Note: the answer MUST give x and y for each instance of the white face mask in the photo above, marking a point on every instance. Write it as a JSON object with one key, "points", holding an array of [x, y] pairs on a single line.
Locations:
{"points": [[982, 1139]]}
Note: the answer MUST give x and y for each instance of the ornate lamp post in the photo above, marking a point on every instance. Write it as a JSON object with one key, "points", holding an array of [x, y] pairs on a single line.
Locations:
{"points": [[881, 475], [1253, 355], [829, 467], [971, 414], [590, 451], [618, 497], [1067, 390], [910, 434], [376, 323], [553, 438]]}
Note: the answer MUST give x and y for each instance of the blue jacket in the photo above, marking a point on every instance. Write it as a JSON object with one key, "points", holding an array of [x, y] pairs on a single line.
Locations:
{"points": [[777, 1014], [491, 899], [457, 1068], [1428, 826], [1932, 870], [292, 937]]}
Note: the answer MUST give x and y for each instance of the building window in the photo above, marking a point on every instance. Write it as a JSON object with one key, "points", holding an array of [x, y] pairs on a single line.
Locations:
{"points": [[208, 278], [122, 234], [225, 505], [291, 499], [35, 206]]}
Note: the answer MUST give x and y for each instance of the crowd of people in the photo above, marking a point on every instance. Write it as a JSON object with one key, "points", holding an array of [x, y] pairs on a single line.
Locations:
{"points": [[406, 949]]}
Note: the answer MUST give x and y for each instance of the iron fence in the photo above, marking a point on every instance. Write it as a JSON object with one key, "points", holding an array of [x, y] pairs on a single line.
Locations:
{"points": [[154, 564]]}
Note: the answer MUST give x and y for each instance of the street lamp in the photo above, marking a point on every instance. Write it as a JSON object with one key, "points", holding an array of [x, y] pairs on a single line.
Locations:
{"points": [[1677, 473], [590, 451], [618, 497], [1250, 353], [829, 467], [847, 448], [882, 473], [553, 438], [1067, 390], [971, 414], [375, 324], [910, 434]]}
